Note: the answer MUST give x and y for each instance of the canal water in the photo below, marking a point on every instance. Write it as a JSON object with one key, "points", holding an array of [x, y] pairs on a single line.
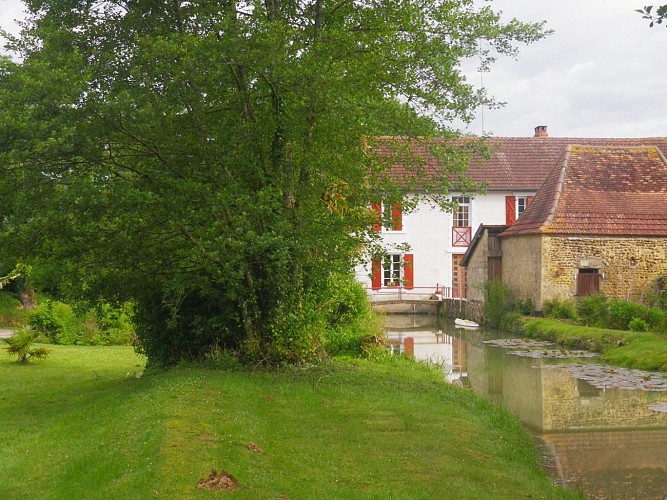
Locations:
{"points": [[602, 430]]}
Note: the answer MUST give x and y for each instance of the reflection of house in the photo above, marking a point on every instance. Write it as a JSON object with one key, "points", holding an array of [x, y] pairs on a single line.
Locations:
{"points": [[414, 337], [598, 223], [607, 442], [513, 173]]}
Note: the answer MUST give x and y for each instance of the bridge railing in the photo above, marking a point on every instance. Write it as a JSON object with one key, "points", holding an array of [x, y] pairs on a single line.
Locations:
{"points": [[415, 293]]}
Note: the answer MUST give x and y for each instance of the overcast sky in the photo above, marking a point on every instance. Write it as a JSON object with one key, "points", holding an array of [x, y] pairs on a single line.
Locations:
{"points": [[603, 73]]}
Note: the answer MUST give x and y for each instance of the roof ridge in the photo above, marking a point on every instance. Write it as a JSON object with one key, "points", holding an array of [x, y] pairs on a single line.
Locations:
{"points": [[559, 187]]}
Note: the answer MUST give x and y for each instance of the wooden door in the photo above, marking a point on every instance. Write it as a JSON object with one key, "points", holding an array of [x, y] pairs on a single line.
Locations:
{"points": [[588, 281]]}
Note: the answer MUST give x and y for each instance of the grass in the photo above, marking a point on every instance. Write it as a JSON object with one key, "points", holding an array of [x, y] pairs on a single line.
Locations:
{"points": [[642, 350], [12, 313], [82, 425]]}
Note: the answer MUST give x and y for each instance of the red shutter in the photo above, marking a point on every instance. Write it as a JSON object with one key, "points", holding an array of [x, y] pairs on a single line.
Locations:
{"points": [[529, 200], [376, 274], [397, 216], [377, 207], [408, 271], [510, 210]]}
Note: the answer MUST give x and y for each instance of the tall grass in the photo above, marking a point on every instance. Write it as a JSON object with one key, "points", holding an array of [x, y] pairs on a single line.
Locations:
{"points": [[497, 302]]}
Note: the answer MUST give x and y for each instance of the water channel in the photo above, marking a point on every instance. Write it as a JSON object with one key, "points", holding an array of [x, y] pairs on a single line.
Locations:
{"points": [[603, 430]]}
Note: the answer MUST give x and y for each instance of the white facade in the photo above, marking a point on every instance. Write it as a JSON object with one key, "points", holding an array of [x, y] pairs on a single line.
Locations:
{"points": [[435, 245]]}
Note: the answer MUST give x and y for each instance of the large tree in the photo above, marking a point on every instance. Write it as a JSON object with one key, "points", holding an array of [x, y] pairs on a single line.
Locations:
{"points": [[208, 159]]}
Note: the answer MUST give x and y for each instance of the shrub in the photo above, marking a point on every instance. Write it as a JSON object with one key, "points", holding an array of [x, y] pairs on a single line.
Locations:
{"points": [[102, 324], [592, 309], [638, 325], [512, 322], [621, 312], [657, 296], [525, 307], [497, 302], [560, 309], [9, 301], [114, 322], [57, 322], [349, 317], [21, 345]]}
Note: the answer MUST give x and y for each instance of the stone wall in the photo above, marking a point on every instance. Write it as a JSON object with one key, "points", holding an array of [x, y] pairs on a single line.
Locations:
{"points": [[477, 270], [467, 309], [522, 264], [628, 266]]}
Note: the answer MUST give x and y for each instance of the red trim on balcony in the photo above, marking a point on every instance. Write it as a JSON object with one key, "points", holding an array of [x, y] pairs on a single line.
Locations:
{"points": [[461, 236]]}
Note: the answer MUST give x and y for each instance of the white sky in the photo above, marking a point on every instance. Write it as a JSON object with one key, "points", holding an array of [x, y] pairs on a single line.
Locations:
{"points": [[601, 74]]}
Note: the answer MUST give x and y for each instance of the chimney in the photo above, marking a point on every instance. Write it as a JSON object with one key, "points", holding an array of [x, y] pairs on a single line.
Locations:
{"points": [[541, 131]]}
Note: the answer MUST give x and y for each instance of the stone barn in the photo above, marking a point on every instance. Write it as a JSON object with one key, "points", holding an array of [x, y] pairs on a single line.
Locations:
{"points": [[598, 223], [483, 260]]}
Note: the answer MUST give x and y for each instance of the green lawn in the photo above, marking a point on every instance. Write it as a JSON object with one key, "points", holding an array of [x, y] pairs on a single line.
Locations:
{"points": [[641, 350], [80, 424]]}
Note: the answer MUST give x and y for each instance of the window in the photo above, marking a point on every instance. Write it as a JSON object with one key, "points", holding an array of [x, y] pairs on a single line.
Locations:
{"points": [[521, 204], [389, 216], [462, 211], [393, 270], [515, 206], [461, 230], [392, 217]]}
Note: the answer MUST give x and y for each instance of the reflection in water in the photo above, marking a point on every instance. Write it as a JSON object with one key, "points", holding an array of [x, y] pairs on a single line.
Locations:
{"points": [[419, 337], [607, 442]]}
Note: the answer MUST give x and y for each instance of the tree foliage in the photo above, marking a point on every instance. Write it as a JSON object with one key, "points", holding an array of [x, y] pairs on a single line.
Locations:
{"points": [[207, 159], [655, 17]]}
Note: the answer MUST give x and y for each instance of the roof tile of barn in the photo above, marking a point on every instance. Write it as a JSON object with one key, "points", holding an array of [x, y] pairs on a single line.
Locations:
{"points": [[608, 190]]}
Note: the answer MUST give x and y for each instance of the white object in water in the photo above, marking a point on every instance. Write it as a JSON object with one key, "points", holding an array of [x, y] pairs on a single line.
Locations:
{"points": [[465, 323]]}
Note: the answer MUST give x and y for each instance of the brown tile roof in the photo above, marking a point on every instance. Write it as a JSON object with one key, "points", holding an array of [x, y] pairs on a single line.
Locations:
{"points": [[617, 190], [515, 163]]}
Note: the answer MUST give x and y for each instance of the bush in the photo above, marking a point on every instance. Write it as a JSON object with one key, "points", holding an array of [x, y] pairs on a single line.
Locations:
{"points": [[102, 324], [638, 325], [11, 309], [512, 322], [114, 322], [592, 309], [349, 317], [525, 307], [622, 312], [560, 309], [497, 302], [57, 322]]}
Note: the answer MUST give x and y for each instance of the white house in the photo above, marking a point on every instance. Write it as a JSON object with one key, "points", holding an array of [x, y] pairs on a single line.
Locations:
{"points": [[513, 173]]}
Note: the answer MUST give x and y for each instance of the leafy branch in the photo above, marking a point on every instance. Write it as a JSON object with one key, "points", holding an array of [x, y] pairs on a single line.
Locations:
{"points": [[655, 17]]}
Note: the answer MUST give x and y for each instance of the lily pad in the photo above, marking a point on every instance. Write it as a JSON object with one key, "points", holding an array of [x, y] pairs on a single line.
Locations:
{"points": [[661, 407], [519, 343], [605, 377], [552, 354]]}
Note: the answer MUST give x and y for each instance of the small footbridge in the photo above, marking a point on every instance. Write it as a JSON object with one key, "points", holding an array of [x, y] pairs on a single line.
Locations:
{"points": [[402, 300], [424, 300]]}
